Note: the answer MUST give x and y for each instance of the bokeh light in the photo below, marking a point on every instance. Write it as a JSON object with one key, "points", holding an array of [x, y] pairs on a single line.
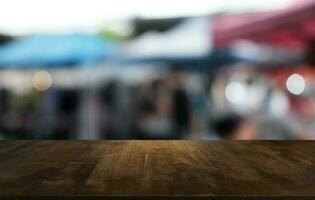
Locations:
{"points": [[235, 92], [42, 80], [296, 84]]}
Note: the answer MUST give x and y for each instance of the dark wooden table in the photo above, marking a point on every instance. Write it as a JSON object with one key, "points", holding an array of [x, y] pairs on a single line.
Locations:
{"points": [[157, 169]]}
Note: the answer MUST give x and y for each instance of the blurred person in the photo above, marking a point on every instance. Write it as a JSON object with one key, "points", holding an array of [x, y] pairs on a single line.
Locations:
{"points": [[68, 105], [156, 122], [181, 111], [234, 127], [109, 96], [117, 110]]}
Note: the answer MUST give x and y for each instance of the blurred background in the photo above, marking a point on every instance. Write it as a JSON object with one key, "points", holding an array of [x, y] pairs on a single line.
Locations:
{"points": [[194, 69]]}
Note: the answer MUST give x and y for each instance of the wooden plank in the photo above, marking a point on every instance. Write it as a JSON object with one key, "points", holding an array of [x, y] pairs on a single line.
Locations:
{"points": [[157, 169]]}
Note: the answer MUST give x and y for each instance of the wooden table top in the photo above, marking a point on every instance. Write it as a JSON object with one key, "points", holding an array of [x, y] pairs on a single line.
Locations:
{"points": [[179, 169]]}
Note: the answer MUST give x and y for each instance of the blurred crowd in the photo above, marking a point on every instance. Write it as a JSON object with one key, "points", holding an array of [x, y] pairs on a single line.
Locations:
{"points": [[177, 104]]}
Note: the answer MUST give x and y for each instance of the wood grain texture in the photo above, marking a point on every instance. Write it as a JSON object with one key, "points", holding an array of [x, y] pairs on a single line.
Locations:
{"points": [[193, 169]]}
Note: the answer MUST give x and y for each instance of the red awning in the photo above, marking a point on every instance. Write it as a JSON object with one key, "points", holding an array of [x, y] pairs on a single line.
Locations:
{"points": [[291, 26]]}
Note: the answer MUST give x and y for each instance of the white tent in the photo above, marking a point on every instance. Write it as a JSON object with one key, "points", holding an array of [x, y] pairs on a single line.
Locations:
{"points": [[191, 38]]}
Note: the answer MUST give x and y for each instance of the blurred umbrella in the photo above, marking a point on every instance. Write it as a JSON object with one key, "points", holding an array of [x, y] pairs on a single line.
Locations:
{"points": [[189, 42], [55, 50], [288, 27]]}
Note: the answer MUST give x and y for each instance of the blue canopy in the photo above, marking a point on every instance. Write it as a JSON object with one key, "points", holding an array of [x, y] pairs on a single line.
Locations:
{"points": [[55, 50]]}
